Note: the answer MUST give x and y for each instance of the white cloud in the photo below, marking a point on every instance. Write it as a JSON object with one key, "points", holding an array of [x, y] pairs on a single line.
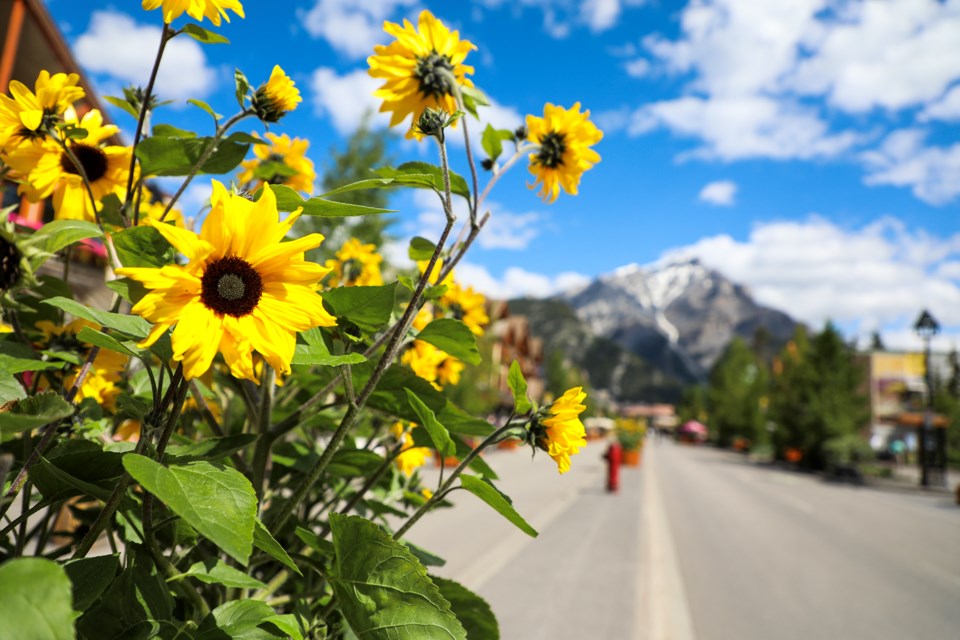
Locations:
{"points": [[946, 108], [721, 193], [352, 27], [517, 282], [734, 128], [115, 45], [882, 54], [638, 68], [932, 173], [880, 275], [600, 15], [504, 230], [346, 99]]}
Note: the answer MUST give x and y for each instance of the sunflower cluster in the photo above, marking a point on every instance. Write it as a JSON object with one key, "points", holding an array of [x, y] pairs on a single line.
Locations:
{"points": [[410, 457], [355, 265], [282, 161], [557, 429], [50, 149]]}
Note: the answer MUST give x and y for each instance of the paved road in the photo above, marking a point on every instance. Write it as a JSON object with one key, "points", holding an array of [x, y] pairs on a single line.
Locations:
{"points": [[774, 554], [700, 544]]}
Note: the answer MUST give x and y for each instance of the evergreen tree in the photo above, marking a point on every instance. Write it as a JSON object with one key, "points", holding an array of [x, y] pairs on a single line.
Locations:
{"points": [[738, 384], [876, 342], [817, 394], [693, 405]]}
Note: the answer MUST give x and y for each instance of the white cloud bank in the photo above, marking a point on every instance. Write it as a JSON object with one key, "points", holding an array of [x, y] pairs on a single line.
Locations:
{"points": [[351, 27], [879, 276], [116, 46], [517, 282], [761, 76]]}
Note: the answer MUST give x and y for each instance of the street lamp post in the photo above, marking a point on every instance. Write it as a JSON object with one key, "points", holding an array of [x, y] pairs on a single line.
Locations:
{"points": [[926, 327]]}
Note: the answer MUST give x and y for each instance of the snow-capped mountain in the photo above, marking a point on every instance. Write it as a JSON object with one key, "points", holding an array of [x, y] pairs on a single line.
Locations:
{"points": [[679, 317]]}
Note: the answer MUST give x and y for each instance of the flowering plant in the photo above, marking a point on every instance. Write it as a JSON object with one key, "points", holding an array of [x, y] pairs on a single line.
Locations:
{"points": [[230, 449]]}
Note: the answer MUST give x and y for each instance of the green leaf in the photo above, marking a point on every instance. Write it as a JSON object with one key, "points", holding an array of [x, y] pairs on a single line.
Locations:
{"points": [[471, 610], [102, 340], [263, 540], [58, 234], [142, 246], [290, 200], [203, 105], [425, 557], [90, 577], [200, 34], [242, 85], [472, 98], [492, 140], [384, 591], [110, 206], [369, 308], [315, 542], [426, 176], [428, 420], [215, 571], [454, 337], [170, 131], [245, 620], [35, 600], [121, 103], [134, 326], [130, 290], [489, 494], [518, 385], [165, 156], [56, 484], [10, 389], [217, 501], [318, 354], [211, 449], [11, 365], [35, 412], [421, 248]]}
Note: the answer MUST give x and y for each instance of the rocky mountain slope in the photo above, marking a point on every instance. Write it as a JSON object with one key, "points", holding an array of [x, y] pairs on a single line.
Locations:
{"points": [[646, 331]]}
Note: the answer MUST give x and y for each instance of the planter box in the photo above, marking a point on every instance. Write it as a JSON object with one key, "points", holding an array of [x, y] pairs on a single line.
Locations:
{"points": [[631, 458]]}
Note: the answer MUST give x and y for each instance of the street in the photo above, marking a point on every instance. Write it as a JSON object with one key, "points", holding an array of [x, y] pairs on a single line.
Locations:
{"points": [[700, 543]]}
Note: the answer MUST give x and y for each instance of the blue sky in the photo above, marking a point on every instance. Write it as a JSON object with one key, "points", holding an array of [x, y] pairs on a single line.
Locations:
{"points": [[808, 149]]}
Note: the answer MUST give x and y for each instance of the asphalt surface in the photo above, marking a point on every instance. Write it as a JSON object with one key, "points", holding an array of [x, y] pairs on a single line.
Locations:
{"points": [[702, 544], [766, 553]]}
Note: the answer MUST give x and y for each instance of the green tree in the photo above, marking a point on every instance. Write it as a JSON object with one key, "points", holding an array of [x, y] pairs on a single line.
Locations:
{"points": [[817, 394], [736, 394], [693, 405], [364, 150]]}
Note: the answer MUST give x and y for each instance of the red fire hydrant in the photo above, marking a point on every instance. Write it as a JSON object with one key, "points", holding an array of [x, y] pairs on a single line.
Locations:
{"points": [[613, 456]]}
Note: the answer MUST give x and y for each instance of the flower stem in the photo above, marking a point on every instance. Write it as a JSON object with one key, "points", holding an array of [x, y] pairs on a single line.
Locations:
{"points": [[211, 147], [141, 118], [436, 497]]}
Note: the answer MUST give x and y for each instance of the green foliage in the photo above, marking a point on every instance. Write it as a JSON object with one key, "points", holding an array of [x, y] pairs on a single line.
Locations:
{"points": [[425, 176], [518, 386], [383, 589], [736, 394], [290, 200], [35, 600], [369, 308], [142, 246], [473, 611], [34, 412], [176, 156], [452, 336], [216, 500], [428, 420], [500, 503]]}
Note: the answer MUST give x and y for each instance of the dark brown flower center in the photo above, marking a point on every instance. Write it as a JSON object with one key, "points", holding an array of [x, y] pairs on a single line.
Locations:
{"points": [[435, 72], [231, 286], [552, 147], [352, 270], [93, 161]]}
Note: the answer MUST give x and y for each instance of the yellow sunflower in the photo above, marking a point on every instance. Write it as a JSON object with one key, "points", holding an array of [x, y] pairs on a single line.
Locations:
{"points": [[152, 209], [24, 113], [564, 137], [559, 431], [242, 290], [418, 67], [410, 457], [276, 97], [107, 368], [45, 169], [432, 364], [355, 264], [283, 161], [212, 10], [463, 303]]}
